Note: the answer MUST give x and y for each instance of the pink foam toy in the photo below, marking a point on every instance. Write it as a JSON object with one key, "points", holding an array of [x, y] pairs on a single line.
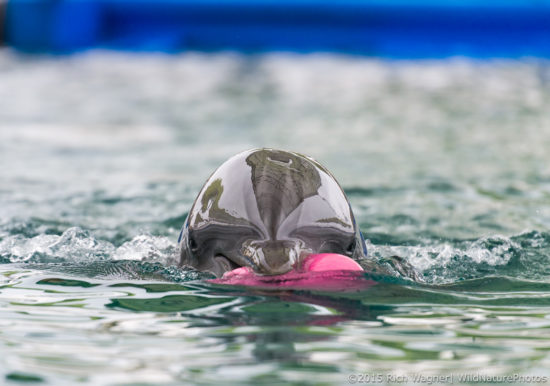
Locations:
{"points": [[324, 271], [330, 262]]}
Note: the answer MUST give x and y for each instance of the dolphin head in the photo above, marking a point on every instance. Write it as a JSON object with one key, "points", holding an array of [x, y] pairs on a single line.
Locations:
{"points": [[268, 210]]}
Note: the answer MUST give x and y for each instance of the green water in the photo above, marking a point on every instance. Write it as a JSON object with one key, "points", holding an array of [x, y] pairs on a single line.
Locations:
{"points": [[446, 164]]}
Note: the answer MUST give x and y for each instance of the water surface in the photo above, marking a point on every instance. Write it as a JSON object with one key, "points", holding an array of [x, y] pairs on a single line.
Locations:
{"points": [[446, 164]]}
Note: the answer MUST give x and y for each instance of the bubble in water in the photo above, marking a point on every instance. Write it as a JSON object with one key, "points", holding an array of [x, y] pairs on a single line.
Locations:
{"points": [[75, 244], [78, 245], [148, 248], [490, 255], [19, 248], [493, 250]]}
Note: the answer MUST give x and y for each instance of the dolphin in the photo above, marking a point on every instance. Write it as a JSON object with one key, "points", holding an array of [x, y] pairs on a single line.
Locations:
{"points": [[268, 210]]}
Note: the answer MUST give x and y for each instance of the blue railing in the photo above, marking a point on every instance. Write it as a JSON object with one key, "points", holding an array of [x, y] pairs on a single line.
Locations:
{"points": [[391, 28]]}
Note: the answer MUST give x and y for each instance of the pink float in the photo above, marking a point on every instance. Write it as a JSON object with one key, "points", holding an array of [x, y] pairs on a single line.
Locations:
{"points": [[324, 271]]}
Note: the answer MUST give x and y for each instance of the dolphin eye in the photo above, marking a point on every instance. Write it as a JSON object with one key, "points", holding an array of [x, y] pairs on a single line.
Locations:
{"points": [[192, 243], [351, 248]]}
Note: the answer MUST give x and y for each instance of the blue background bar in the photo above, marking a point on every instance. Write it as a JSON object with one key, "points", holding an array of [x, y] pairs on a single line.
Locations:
{"points": [[392, 28]]}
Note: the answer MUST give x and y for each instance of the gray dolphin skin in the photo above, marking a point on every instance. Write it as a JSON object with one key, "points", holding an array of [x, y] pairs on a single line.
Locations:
{"points": [[268, 209]]}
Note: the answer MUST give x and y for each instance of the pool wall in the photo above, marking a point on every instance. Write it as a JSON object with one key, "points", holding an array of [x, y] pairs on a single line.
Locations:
{"points": [[391, 28]]}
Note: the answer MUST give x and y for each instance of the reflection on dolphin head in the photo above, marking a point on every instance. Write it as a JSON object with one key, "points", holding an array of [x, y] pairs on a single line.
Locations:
{"points": [[268, 209]]}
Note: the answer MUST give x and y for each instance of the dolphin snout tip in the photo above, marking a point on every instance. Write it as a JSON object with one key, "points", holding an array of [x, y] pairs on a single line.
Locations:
{"points": [[267, 270], [269, 258]]}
